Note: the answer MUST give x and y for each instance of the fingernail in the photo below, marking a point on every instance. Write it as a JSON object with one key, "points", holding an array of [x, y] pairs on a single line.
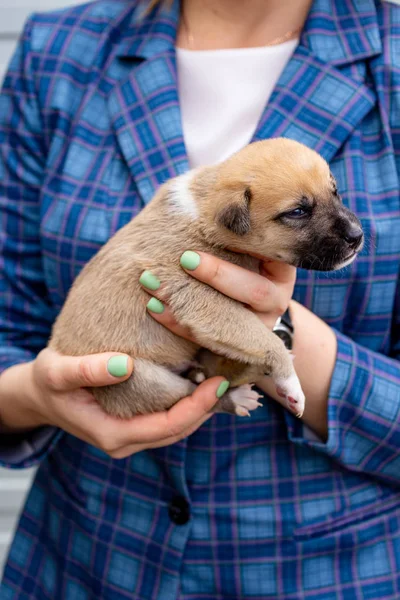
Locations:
{"points": [[190, 260], [149, 281], [223, 386], [155, 306], [117, 366]]}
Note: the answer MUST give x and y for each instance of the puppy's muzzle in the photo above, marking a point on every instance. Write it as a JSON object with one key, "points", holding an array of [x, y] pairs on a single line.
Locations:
{"points": [[351, 234], [333, 247]]}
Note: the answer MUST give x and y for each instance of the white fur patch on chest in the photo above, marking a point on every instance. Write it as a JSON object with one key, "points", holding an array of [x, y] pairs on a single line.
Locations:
{"points": [[181, 198]]}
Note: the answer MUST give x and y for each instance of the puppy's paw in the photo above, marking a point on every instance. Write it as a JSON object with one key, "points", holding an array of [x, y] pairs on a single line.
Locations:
{"points": [[244, 399], [290, 390]]}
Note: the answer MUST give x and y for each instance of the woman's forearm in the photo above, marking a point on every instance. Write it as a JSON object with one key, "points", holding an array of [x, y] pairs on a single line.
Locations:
{"points": [[16, 413], [315, 349]]}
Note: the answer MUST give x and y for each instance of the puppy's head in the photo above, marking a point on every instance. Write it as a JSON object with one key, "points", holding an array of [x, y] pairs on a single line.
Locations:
{"points": [[278, 199]]}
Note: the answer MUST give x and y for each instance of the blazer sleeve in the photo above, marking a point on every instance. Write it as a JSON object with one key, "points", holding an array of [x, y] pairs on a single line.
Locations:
{"points": [[25, 312], [363, 412], [364, 398]]}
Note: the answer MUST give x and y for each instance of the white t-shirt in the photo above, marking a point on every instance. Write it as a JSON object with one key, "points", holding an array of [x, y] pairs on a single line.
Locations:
{"points": [[223, 94]]}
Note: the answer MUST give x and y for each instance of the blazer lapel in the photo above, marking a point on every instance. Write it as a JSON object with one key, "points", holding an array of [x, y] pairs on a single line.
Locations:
{"points": [[144, 108], [318, 100], [315, 104]]}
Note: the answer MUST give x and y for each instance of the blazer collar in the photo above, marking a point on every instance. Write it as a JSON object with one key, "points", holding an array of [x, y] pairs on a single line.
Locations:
{"points": [[336, 31], [315, 100]]}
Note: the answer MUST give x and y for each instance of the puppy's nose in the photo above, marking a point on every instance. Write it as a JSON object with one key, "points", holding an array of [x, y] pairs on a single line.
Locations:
{"points": [[353, 235]]}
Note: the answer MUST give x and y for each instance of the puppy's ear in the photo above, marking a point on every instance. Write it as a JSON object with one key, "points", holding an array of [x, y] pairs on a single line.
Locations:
{"points": [[235, 216]]}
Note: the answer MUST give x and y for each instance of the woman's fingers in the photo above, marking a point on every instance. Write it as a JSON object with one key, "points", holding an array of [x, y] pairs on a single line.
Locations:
{"points": [[267, 293], [80, 414], [244, 286], [278, 272], [150, 429], [231, 280], [163, 315], [134, 448], [112, 434], [158, 308]]}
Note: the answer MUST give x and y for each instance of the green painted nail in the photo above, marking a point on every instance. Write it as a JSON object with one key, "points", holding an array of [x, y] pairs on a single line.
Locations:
{"points": [[190, 260], [118, 366], [155, 306], [222, 388], [149, 281]]}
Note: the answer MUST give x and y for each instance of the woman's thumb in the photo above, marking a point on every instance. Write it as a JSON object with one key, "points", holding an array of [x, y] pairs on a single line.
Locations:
{"points": [[93, 370]]}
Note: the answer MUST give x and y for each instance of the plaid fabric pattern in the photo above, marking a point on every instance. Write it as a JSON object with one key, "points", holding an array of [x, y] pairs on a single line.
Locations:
{"points": [[89, 127]]}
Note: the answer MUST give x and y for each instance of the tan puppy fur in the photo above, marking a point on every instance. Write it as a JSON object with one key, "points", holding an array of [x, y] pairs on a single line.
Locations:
{"points": [[238, 210]]}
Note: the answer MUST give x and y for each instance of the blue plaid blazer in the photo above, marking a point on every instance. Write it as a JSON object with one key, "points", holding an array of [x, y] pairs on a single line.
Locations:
{"points": [[259, 509]]}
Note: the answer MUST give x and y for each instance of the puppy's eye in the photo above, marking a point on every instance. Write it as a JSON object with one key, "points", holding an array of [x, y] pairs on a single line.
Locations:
{"points": [[297, 213], [302, 212]]}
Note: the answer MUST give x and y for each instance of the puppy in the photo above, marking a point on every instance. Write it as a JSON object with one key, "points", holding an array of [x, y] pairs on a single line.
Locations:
{"points": [[274, 199]]}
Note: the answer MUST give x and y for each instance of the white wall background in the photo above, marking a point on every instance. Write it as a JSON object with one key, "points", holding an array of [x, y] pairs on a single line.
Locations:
{"points": [[15, 484]]}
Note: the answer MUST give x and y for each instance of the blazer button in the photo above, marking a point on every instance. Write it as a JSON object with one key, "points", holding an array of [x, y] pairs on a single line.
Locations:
{"points": [[179, 511]]}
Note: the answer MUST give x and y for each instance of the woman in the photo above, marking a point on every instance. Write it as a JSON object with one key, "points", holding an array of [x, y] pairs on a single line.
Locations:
{"points": [[181, 505]]}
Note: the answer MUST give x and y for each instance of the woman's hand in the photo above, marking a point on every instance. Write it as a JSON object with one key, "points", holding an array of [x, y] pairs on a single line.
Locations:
{"points": [[51, 391], [267, 294]]}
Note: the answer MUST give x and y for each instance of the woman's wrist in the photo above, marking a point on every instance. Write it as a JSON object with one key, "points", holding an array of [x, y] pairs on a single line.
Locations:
{"points": [[18, 405], [314, 349]]}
